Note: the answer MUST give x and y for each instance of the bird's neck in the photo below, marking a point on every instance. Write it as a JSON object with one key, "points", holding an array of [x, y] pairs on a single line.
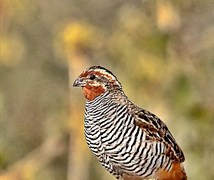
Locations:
{"points": [[116, 96], [91, 92]]}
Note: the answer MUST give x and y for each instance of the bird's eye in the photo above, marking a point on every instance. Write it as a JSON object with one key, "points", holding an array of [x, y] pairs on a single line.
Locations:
{"points": [[92, 77]]}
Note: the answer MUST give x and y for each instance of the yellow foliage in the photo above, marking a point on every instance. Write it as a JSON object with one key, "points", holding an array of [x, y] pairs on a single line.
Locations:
{"points": [[151, 66], [77, 36], [11, 49], [167, 16], [4, 50]]}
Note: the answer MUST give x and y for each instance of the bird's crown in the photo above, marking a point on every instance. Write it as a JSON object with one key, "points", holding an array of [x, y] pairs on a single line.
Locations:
{"points": [[96, 80], [97, 76]]}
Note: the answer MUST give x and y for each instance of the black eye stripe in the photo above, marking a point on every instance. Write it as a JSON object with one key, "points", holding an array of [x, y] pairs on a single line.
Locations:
{"points": [[92, 77]]}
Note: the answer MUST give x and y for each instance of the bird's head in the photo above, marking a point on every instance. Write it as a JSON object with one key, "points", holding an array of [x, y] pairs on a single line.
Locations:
{"points": [[95, 81]]}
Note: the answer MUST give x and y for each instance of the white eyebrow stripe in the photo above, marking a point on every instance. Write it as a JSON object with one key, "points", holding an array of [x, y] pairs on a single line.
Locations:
{"points": [[105, 73]]}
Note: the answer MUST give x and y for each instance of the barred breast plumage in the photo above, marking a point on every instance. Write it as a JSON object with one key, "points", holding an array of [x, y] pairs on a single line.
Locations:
{"points": [[130, 142]]}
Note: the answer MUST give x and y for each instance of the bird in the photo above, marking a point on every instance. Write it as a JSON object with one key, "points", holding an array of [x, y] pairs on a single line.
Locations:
{"points": [[129, 142]]}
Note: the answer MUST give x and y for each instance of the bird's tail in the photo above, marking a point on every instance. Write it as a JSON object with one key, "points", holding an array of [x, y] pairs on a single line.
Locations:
{"points": [[176, 173]]}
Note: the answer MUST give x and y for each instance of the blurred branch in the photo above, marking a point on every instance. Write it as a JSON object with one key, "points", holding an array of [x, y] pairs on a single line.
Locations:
{"points": [[77, 162], [77, 40], [35, 160]]}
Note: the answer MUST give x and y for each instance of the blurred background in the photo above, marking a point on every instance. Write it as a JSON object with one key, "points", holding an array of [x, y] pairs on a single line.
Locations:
{"points": [[162, 51]]}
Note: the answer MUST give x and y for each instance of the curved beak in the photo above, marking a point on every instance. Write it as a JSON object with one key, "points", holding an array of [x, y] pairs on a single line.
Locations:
{"points": [[79, 82]]}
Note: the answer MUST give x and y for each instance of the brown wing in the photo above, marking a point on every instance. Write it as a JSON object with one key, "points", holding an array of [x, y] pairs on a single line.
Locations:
{"points": [[157, 130]]}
